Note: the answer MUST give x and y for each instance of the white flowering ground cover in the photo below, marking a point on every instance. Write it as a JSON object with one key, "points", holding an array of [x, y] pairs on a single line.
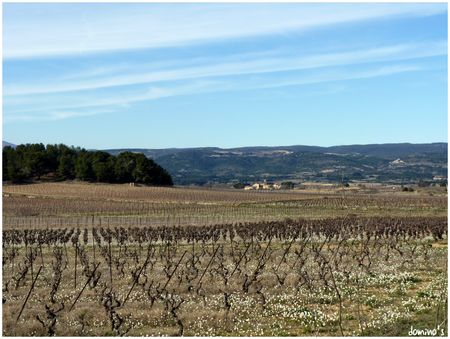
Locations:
{"points": [[342, 280]]}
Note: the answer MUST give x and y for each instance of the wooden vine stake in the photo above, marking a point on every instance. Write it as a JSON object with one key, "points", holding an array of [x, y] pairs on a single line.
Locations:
{"points": [[29, 293]]}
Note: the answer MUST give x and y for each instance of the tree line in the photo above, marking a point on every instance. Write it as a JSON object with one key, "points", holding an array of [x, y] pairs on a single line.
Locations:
{"points": [[60, 162]]}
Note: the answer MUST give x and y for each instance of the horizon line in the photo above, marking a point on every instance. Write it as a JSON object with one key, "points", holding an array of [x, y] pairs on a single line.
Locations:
{"points": [[237, 147]]}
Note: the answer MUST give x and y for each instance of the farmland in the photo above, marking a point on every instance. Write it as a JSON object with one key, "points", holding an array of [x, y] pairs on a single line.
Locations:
{"points": [[85, 205], [98, 259]]}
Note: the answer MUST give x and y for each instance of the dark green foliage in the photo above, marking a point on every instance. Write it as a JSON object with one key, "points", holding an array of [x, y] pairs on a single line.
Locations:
{"points": [[32, 161], [66, 166], [147, 172], [239, 185], [124, 167], [53, 154], [103, 166], [12, 161], [287, 185], [83, 166]]}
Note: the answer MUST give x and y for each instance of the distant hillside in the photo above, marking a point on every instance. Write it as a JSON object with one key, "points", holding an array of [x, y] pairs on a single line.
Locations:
{"points": [[5, 143], [399, 163], [392, 151]]}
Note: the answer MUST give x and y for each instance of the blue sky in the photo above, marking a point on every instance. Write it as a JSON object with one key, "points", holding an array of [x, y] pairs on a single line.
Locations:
{"points": [[226, 75]]}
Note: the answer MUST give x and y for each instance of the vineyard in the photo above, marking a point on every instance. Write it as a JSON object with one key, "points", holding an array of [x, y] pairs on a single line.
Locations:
{"points": [[377, 267], [82, 205]]}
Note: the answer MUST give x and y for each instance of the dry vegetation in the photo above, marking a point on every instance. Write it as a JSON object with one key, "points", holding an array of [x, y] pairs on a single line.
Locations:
{"points": [[84, 205], [83, 259]]}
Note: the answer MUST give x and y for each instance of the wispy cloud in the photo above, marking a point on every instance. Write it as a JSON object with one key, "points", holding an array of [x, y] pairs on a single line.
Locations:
{"points": [[77, 101], [77, 106], [43, 30], [137, 73], [55, 115]]}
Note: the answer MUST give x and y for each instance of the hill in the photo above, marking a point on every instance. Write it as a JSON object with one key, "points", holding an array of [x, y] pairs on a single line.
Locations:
{"points": [[5, 143], [396, 163]]}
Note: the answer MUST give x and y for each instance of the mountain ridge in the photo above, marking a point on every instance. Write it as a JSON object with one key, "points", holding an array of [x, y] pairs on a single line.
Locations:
{"points": [[371, 162], [392, 163]]}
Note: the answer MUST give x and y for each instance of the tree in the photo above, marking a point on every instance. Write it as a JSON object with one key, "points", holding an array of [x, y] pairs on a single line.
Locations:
{"points": [[52, 158], [239, 185], [287, 185], [103, 166], [163, 178], [6, 154], [150, 173], [35, 159], [124, 167], [83, 167], [31, 161], [143, 170], [12, 165], [66, 168]]}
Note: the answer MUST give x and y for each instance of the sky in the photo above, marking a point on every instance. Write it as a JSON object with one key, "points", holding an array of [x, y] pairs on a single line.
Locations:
{"points": [[152, 75]]}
